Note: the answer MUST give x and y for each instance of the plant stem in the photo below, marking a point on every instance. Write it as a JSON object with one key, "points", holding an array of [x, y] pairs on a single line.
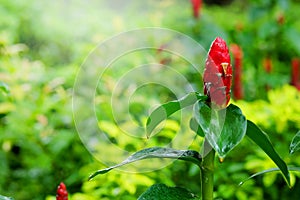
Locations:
{"points": [[207, 172]]}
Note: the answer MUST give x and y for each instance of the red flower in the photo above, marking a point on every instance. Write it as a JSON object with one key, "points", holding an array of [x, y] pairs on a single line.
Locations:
{"points": [[267, 62], [218, 74], [61, 193], [237, 78], [163, 59], [295, 73], [268, 66], [280, 19], [196, 7]]}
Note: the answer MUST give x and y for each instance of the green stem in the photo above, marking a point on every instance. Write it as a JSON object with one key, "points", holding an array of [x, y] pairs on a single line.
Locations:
{"points": [[207, 172]]}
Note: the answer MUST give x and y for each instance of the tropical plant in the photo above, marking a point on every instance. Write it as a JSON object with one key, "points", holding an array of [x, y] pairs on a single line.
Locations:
{"points": [[222, 126]]}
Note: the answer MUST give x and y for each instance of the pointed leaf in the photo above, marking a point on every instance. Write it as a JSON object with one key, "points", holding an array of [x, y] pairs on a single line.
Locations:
{"points": [[196, 128], [267, 171], [262, 140], [156, 152], [163, 192], [224, 129], [165, 110], [295, 144]]}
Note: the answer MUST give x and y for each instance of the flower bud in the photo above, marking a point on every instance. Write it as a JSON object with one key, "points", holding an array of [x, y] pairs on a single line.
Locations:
{"points": [[268, 66], [61, 193], [295, 79], [196, 7], [217, 76], [237, 53]]}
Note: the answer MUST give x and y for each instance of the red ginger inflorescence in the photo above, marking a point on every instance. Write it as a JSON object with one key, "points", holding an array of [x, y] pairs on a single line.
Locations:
{"points": [[295, 79], [217, 76], [237, 75], [62, 193], [197, 4], [268, 65]]}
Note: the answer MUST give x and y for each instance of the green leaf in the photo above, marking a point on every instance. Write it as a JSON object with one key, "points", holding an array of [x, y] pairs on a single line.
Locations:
{"points": [[165, 110], [267, 171], [196, 128], [4, 88], [5, 198], [262, 140], [223, 129], [155, 152], [295, 144], [163, 192]]}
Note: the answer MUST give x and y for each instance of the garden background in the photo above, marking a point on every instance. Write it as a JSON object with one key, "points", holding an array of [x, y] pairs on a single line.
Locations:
{"points": [[44, 43]]}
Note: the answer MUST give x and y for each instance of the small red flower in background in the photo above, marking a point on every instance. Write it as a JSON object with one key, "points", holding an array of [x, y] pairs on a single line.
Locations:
{"points": [[163, 59], [217, 76], [62, 193], [237, 77], [295, 79], [161, 48], [196, 7], [280, 19], [268, 66], [239, 26]]}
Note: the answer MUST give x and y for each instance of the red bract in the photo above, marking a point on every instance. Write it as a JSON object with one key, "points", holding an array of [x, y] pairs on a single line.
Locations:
{"points": [[61, 193], [237, 78], [280, 19], [267, 62], [163, 59], [295, 73], [268, 66], [218, 74], [196, 7]]}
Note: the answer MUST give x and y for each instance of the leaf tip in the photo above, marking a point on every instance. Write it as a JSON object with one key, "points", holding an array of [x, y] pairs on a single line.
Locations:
{"points": [[221, 159], [148, 120], [102, 171], [148, 134], [91, 177]]}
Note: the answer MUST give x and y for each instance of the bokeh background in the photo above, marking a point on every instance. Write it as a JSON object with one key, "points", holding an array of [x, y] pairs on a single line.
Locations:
{"points": [[44, 43]]}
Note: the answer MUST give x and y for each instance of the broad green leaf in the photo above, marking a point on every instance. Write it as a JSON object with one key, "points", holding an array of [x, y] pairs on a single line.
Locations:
{"points": [[163, 192], [223, 129], [156, 152], [262, 140], [267, 171], [196, 128], [165, 110], [4, 88], [295, 144], [5, 198]]}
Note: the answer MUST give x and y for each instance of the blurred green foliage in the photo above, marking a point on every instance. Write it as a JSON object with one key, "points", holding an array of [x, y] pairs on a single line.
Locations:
{"points": [[42, 45]]}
